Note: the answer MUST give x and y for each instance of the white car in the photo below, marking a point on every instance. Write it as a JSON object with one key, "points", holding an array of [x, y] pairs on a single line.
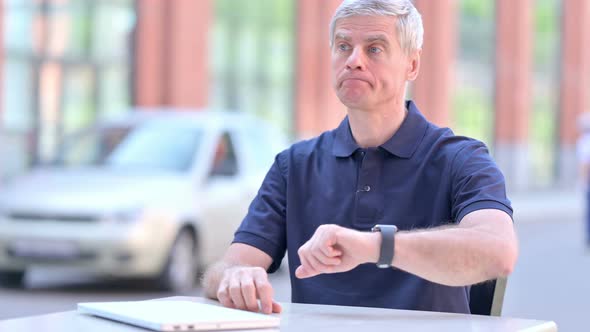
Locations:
{"points": [[152, 194]]}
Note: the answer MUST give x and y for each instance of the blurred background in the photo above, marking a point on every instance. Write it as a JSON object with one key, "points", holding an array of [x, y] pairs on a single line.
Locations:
{"points": [[514, 74]]}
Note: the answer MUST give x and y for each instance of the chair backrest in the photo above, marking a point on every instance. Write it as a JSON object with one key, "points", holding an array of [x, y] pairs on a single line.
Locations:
{"points": [[487, 298]]}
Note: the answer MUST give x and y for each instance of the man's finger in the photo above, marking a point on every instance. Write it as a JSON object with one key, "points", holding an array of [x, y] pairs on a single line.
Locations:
{"points": [[325, 260], [317, 265], [249, 293], [327, 242], [303, 257], [235, 292], [303, 272], [265, 294], [329, 251], [276, 307], [312, 265], [223, 295]]}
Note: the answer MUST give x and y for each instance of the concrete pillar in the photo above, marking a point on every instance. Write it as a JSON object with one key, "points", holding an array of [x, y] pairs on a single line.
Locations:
{"points": [[432, 89], [188, 58], [574, 84], [316, 106], [514, 34], [149, 56], [171, 53]]}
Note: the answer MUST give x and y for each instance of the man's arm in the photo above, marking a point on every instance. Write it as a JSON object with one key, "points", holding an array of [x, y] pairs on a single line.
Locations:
{"points": [[482, 247], [240, 279]]}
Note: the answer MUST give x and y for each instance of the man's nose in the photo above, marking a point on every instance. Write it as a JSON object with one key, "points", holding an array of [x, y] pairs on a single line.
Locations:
{"points": [[356, 60]]}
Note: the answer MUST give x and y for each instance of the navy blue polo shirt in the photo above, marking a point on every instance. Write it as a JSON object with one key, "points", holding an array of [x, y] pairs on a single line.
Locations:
{"points": [[423, 176]]}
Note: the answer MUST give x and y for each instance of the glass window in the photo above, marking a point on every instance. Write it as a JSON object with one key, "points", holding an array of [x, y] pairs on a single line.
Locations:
{"points": [[18, 22], [79, 111], [90, 147], [252, 58], [161, 146], [225, 162], [253, 137], [86, 46], [111, 30], [114, 92], [17, 86]]}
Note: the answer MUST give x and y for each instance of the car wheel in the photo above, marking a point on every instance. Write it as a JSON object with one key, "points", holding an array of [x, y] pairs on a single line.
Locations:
{"points": [[12, 279], [179, 275]]}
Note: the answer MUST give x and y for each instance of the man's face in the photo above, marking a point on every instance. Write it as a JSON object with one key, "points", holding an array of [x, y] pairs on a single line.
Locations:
{"points": [[369, 67]]}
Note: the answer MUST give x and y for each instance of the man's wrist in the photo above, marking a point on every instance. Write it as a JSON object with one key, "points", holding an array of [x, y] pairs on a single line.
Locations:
{"points": [[373, 247]]}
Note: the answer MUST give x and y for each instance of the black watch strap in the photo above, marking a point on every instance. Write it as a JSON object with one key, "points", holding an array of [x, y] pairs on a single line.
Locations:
{"points": [[387, 244]]}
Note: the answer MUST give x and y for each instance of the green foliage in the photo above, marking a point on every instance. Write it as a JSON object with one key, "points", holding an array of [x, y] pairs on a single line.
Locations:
{"points": [[542, 139], [483, 9], [275, 12], [546, 29], [546, 14], [472, 114], [81, 38], [476, 30]]}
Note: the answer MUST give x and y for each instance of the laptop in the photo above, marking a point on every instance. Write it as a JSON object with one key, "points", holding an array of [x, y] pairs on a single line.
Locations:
{"points": [[165, 315]]}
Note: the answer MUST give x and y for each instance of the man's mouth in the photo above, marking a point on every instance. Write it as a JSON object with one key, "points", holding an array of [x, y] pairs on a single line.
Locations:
{"points": [[352, 80]]}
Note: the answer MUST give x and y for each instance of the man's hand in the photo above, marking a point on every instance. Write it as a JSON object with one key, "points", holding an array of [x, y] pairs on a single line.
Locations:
{"points": [[242, 286], [334, 249]]}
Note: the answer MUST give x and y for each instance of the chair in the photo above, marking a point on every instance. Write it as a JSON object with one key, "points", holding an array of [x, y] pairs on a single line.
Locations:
{"points": [[487, 298]]}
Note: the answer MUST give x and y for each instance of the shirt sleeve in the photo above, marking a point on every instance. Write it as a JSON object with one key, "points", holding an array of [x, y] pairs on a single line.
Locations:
{"points": [[477, 182], [264, 225]]}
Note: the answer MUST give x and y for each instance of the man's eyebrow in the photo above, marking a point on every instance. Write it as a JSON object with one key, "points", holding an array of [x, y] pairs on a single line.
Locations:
{"points": [[342, 36], [379, 38]]}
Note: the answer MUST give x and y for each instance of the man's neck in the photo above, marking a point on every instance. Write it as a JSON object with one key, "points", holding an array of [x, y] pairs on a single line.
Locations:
{"points": [[371, 128]]}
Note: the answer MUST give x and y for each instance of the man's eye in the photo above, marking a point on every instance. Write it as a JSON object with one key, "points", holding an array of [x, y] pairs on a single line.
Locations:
{"points": [[343, 47], [374, 50]]}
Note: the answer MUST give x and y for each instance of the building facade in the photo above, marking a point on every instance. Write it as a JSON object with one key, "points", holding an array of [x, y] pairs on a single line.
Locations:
{"points": [[514, 74]]}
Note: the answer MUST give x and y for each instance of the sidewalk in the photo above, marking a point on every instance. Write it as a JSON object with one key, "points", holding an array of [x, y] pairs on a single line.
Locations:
{"points": [[548, 206]]}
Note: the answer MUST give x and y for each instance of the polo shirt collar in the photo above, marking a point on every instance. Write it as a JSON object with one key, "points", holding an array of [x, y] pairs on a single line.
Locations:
{"points": [[403, 143], [408, 137], [344, 143]]}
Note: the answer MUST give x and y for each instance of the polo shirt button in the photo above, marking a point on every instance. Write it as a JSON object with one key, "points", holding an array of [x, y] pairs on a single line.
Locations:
{"points": [[367, 188]]}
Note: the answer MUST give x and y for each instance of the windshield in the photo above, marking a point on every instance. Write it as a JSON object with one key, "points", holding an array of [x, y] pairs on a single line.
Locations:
{"points": [[150, 146]]}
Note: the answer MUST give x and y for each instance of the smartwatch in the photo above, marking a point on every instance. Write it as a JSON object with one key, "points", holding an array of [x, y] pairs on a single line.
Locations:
{"points": [[387, 244]]}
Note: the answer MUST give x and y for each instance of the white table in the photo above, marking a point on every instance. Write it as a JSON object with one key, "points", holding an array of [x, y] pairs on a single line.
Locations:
{"points": [[305, 318]]}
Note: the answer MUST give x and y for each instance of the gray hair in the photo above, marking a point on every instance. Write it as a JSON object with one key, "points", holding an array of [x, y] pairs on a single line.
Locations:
{"points": [[410, 31]]}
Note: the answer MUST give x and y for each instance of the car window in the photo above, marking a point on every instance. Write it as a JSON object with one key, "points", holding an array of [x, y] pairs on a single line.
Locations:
{"points": [[263, 144], [90, 147], [225, 162], [157, 146]]}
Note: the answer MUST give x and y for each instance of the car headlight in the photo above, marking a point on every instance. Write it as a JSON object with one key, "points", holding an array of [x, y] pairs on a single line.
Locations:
{"points": [[125, 216]]}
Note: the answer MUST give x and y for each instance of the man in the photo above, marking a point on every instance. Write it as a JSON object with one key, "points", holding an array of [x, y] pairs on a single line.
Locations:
{"points": [[384, 165]]}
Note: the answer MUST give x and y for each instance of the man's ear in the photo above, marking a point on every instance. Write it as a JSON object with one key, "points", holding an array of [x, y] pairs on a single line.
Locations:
{"points": [[413, 65]]}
